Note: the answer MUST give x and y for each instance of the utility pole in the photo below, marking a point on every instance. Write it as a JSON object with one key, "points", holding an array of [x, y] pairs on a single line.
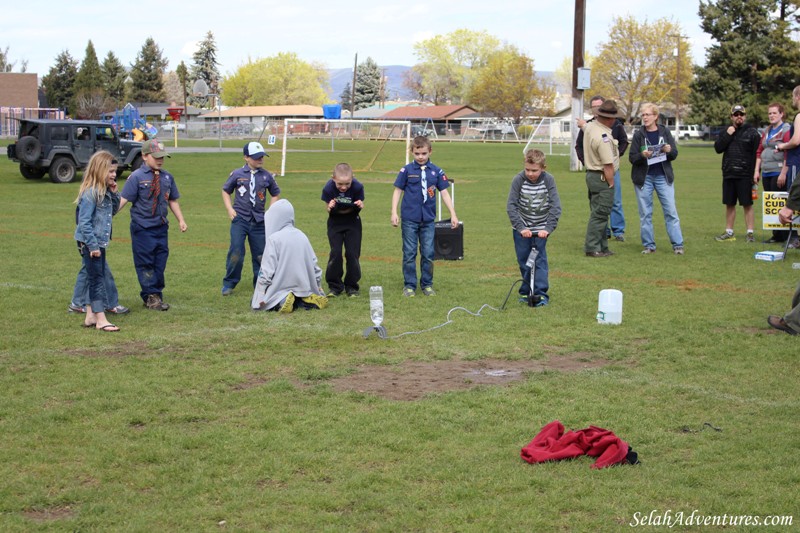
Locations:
{"points": [[353, 89], [578, 43]]}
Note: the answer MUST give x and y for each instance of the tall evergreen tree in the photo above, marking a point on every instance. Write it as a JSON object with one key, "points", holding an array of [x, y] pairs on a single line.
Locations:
{"points": [[368, 84], [346, 97], [89, 75], [89, 95], [753, 60], [205, 65], [113, 75], [59, 82], [183, 76], [147, 84]]}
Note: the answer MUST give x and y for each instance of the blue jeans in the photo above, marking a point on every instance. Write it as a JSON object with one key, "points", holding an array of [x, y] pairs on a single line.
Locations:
{"points": [[80, 296], [617, 215], [413, 233], [150, 253], [523, 247], [666, 195], [254, 232], [95, 269]]}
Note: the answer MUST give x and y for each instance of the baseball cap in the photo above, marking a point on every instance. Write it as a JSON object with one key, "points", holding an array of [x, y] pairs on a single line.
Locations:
{"points": [[154, 148], [254, 150], [738, 109]]}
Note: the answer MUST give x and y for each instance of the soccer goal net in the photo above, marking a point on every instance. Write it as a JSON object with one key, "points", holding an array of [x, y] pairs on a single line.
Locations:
{"points": [[551, 135], [317, 145]]}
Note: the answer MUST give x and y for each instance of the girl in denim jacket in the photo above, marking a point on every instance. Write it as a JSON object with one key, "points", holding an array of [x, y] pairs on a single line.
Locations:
{"points": [[97, 201]]}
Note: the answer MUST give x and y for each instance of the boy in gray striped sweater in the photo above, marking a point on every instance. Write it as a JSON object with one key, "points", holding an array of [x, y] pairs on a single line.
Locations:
{"points": [[533, 208]]}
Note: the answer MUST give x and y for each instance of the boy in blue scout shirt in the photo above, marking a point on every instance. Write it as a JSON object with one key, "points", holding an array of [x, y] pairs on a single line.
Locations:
{"points": [[151, 192], [417, 183], [249, 185], [344, 199]]}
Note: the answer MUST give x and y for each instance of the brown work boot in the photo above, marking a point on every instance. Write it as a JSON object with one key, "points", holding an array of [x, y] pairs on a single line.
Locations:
{"points": [[154, 303]]}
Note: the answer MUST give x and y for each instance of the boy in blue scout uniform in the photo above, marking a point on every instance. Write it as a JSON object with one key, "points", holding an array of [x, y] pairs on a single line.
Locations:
{"points": [[249, 185], [417, 183], [344, 199], [151, 192]]}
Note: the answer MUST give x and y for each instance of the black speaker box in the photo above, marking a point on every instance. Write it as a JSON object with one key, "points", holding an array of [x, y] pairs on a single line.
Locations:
{"points": [[448, 243]]}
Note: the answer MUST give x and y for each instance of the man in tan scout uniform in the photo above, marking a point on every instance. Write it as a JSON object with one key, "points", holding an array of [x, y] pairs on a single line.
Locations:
{"points": [[601, 155]]}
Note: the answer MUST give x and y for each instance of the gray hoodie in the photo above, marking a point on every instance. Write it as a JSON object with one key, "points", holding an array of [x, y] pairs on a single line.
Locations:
{"points": [[288, 264]]}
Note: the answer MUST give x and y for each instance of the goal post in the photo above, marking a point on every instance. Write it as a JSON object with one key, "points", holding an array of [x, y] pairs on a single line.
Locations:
{"points": [[364, 140]]}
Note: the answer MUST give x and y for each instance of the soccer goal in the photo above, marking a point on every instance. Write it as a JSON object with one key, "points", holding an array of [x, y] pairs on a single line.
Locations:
{"points": [[316, 145], [551, 135]]}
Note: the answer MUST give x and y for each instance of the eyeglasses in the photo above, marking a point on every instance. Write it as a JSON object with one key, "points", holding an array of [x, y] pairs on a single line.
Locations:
{"points": [[737, 114]]}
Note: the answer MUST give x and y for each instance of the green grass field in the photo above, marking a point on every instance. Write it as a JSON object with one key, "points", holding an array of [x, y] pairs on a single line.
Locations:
{"points": [[210, 416]]}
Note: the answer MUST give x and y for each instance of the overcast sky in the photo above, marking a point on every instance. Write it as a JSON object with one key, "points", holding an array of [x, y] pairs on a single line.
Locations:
{"points": [[330, 31]]}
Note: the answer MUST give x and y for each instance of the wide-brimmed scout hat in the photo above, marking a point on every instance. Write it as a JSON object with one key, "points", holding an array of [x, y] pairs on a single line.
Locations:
{"points": [[608, 109]]}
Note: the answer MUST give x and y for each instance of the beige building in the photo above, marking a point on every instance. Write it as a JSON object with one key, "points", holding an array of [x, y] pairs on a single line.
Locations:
{"points": [[19, 90]]}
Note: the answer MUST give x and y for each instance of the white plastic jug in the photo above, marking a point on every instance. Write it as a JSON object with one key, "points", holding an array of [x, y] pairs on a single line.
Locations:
{"points": [[609, 307]]}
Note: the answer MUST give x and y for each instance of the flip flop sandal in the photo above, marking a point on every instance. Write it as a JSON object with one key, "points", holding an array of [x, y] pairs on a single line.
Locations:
{"points": [[105, 328], [88, 325]]}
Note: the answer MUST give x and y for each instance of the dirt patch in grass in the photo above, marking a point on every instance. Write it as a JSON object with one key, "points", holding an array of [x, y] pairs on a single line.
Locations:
{"points": [[412, 380], [51, 513]]}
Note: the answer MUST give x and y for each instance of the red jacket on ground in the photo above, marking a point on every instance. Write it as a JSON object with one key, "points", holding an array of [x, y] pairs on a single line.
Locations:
{"points": [[552, 444]]}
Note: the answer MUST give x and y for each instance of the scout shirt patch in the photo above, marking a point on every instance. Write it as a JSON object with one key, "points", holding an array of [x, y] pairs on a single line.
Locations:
{"points": [[605, 138]]}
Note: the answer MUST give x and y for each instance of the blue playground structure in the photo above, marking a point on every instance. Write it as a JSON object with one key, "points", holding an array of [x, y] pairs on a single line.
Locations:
{"points": [[129, 124]]}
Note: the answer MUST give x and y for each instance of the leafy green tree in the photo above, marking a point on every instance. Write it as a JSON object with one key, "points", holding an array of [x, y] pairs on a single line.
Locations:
{"points": [[113, 75], [346, 97], [58, 83], [283, 79], [449, 63], [147, 74], [507, 87], [753, 60], [637, 64], [413, 82], [368, 84], [172, 88], [6, 65]]}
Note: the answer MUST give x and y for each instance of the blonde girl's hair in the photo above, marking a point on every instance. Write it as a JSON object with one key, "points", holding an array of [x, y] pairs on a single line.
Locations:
{"points": [[94, 177]]}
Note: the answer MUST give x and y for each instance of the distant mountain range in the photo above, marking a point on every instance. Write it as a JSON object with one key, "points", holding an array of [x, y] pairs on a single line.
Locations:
{"points": [[340, 77]]}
